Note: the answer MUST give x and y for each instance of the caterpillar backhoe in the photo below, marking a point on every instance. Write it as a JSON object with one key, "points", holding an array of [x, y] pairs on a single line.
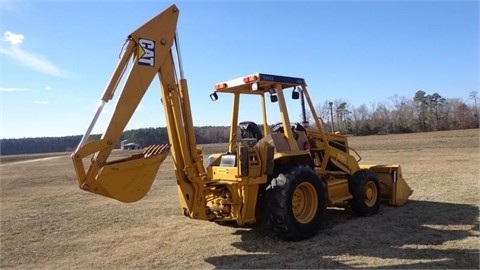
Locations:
{"points": [[284, 174]]}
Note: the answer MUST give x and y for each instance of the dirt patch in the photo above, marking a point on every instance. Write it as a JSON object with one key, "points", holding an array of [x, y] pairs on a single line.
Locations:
{"points": [[30, 157], [47, 222]]}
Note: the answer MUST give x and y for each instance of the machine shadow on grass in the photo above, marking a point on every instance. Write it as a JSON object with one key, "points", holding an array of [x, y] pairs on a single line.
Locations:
{"points": [[403, 237]]}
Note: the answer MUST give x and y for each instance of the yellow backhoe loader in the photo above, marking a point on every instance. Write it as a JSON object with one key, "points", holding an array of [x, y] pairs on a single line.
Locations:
{"points": [[284, 174]]}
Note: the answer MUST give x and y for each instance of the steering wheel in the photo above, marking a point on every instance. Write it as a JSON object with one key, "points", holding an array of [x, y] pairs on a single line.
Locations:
{"points": [[278, 128]]}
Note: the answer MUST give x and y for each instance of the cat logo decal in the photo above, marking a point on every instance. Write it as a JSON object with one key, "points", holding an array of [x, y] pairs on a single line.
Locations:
{"points": [[146, 52]]}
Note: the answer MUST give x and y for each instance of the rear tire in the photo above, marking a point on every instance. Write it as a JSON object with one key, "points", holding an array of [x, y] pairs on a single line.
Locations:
{"points": [[365, 189], [295, 202]]}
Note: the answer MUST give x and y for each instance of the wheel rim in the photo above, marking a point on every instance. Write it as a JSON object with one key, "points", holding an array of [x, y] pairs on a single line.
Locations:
{"points": [[370, 193], [305, 202]]}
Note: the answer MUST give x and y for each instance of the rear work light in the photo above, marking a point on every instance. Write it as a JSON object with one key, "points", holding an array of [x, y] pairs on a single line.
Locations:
{"points": [[250, 79], [221, 86]]}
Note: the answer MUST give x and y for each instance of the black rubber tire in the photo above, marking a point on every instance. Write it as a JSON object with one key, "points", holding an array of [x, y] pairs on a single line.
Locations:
{"points": [[365, 189], [295, 202]]}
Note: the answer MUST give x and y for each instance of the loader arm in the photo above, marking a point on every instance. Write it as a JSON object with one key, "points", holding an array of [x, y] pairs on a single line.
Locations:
{"points": [[151, 50]]}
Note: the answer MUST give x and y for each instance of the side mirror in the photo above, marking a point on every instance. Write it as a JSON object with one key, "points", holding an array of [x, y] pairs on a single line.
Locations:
{"points": [[214, 96], [295, 94], [273, 98]]}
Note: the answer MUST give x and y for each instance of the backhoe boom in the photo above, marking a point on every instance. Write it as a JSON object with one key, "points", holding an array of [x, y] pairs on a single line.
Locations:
{"points": [[149, 48]]}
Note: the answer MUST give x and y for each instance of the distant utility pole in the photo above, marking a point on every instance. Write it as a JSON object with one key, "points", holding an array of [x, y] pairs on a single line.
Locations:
{"points": [[331, 115]]}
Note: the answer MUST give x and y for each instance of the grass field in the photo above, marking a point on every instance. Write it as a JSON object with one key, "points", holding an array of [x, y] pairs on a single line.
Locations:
{"points": [[47, 222]]}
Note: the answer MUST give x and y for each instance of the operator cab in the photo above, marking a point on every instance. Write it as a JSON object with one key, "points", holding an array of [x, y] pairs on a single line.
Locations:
{"points": [[249, 133], [262, 85]]}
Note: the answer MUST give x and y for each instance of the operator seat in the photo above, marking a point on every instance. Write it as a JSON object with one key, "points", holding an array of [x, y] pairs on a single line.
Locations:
{"points": [[250, 130]]}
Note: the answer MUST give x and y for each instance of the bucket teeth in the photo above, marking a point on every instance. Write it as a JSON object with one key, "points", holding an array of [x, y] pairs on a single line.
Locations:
{"points": [[156, 149]]}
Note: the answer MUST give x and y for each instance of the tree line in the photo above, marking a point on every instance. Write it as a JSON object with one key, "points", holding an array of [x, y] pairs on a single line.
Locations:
{"points": [[424, 112], [143, 136]]}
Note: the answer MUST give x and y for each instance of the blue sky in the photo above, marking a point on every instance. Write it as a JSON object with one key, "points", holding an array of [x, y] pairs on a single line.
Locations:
{"points": [[56, 57]]}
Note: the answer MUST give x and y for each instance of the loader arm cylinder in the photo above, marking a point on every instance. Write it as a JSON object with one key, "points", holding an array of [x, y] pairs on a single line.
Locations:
{"points": [[180, 131], [85, 137], [179, 57], [110, 89], [119, 71]]}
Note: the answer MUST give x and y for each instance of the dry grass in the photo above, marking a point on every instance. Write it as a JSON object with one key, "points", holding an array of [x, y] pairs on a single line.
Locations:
{"points": [[48, 223]]}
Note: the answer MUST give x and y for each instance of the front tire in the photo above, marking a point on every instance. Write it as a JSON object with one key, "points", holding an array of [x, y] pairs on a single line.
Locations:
{"points": [[365, 189], [295, 203]]}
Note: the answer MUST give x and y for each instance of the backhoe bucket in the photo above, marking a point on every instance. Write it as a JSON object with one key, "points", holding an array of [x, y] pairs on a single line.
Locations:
{"points": [[395, 191], [129, 179]]}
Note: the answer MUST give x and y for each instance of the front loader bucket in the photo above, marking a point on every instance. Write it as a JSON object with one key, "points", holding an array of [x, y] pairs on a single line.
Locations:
{"points": [[395, 190], [128, 179]]}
